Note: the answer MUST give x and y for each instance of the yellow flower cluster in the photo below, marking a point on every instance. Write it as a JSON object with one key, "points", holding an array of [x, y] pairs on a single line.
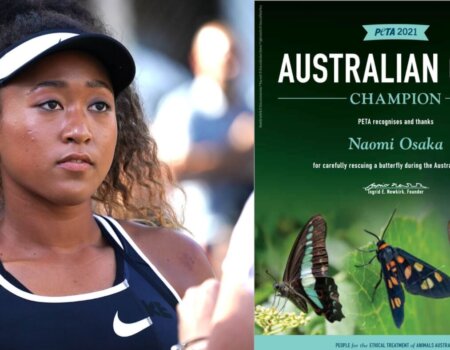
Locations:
{"points": [[272, 321]]}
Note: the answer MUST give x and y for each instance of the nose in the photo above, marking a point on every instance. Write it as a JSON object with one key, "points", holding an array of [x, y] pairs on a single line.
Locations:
{"points": [[76, 128]]}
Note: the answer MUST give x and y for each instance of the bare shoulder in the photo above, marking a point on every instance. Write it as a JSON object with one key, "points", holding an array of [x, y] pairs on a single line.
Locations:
{"points": [[176, 255]]}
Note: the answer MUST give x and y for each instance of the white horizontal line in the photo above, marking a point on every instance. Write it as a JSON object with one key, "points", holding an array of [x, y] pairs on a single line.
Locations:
{"points": [[312, 98]]}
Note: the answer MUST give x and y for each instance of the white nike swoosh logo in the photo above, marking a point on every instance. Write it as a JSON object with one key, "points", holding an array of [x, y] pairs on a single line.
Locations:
{"points": [[123, 329]]}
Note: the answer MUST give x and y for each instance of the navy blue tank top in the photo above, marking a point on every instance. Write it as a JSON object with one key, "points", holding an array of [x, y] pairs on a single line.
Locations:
{"points": [[137, 312]]}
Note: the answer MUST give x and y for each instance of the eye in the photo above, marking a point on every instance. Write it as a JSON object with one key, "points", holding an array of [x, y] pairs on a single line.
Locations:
{"points": [[99, 107], [51, 105]]}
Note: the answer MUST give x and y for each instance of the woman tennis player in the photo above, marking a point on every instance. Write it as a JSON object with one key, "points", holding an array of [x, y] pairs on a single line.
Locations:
{"points": [[74, 153]]}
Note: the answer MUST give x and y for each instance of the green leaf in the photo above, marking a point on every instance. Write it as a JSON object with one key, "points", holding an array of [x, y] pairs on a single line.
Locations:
{"points": [[424, 239]]}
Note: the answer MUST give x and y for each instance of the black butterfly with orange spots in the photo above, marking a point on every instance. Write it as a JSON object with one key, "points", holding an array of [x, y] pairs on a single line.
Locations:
{"points": [[418, 277]]}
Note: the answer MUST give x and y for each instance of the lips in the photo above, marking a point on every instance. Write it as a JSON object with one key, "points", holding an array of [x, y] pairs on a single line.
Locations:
{"points": [[75, 162]]}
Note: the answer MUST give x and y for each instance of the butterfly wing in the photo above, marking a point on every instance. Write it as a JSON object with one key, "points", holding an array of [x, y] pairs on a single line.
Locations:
{"points": [[420, 277], [295, 293], [306, 271], [308, 254], [394, 289], [328, 295], [291, 286]]}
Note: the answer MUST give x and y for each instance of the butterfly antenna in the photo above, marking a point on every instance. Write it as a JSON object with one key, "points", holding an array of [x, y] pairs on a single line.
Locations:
{"points": [[274, 279], [389, 222], [373, 234]]}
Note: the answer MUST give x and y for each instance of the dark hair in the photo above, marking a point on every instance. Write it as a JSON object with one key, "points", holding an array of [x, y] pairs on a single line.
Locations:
{"points": [[135, 186]]}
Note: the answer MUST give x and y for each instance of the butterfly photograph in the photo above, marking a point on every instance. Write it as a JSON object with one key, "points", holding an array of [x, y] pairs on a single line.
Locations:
{"points": [[403, 277], [307, 282], [305, 279]]}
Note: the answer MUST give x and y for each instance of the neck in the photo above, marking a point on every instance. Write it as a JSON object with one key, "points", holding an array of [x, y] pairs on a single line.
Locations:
{"points": [[27, 223]]}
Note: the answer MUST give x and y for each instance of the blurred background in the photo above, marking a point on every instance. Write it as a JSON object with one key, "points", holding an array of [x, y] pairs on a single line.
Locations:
{"points": [[195, 75]]}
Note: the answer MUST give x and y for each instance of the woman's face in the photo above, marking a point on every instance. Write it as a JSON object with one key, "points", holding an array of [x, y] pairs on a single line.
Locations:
{"points": [[58, 130]]}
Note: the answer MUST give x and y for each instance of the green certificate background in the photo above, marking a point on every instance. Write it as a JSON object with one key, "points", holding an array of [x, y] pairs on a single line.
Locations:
{"points": [[292, 134]]}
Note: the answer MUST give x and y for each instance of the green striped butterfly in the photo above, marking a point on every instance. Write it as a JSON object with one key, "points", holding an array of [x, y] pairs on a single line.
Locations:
{"points": [[305, 279]]}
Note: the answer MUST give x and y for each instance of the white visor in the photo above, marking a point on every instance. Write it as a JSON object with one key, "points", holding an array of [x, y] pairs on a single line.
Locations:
{"points": [[111, 53]]}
